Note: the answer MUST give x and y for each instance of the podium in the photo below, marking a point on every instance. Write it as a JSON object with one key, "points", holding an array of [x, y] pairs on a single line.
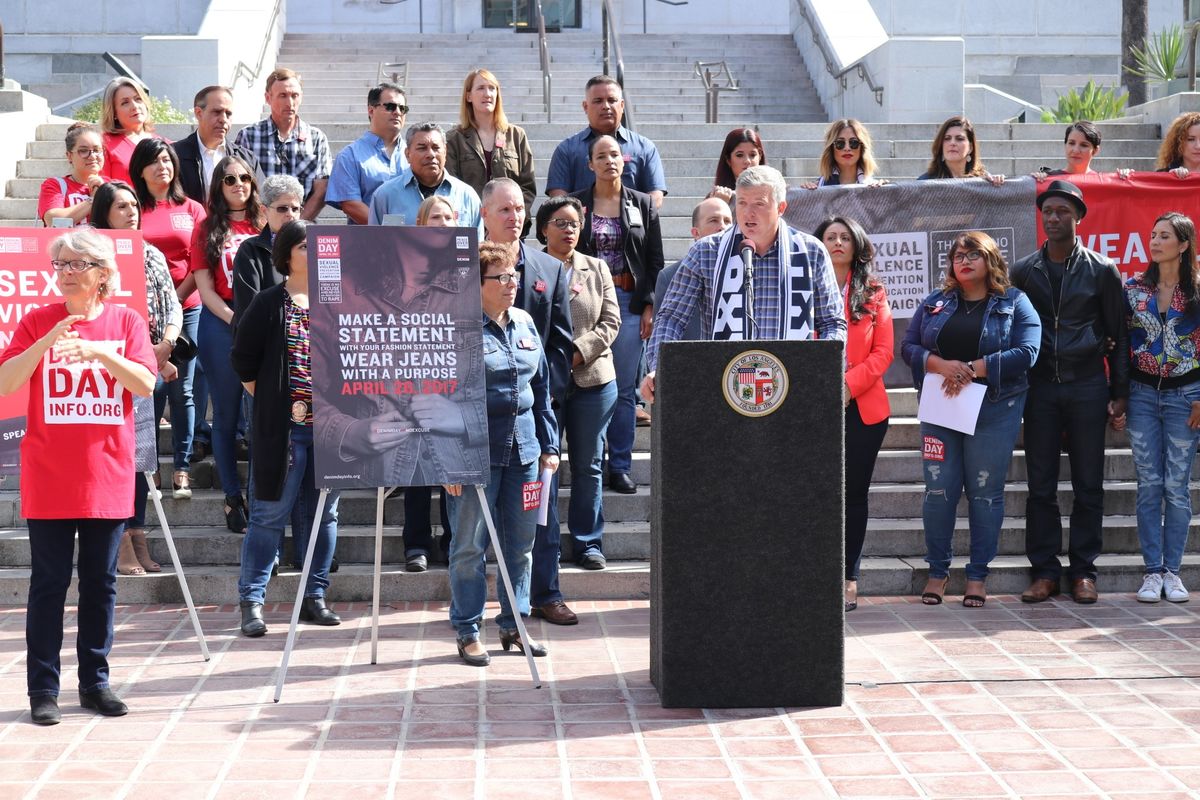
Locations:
{"points": [[747, 525]]}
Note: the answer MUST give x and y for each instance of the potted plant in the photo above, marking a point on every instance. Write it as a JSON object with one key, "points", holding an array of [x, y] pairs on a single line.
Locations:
{"points": [[1160, 60]]}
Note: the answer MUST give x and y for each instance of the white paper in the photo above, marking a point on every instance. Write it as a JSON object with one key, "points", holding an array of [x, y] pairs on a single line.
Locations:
{"points": [[958, 413], [544, 505]]}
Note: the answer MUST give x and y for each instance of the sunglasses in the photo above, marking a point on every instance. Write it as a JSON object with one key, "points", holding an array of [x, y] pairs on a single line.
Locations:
{"points": [[392, 108], [233, 180], [286, 209], [842, 144]]}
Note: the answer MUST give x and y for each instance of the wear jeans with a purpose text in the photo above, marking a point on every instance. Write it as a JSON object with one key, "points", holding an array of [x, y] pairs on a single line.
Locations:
{"points": [[1078, 409], [514, 526], [268, 518], [954, 461], [51, 550], [627, 355], [1164, 448]]}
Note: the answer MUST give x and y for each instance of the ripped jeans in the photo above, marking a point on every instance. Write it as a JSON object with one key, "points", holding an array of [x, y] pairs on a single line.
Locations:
{"points": [[952, 461], [1164, 448]]}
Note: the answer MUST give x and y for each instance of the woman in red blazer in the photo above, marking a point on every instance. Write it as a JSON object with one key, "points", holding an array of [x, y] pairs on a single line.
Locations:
{"points": [[869, 352]]}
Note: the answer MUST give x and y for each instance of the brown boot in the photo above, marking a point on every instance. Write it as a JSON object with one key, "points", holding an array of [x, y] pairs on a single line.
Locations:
{"points": [[127, 562], [138, 537]]}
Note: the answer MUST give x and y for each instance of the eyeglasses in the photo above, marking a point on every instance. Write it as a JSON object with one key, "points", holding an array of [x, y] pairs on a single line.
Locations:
{"points": [[77, 265], [232, 180], [392, 108], [565, 224], [286, 209], [973, 256], [504, 278], [88, 152], [842, 144]]}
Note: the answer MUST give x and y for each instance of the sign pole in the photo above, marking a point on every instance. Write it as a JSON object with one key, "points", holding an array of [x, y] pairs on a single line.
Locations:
{"points": [[308, 555], [156, 496]]}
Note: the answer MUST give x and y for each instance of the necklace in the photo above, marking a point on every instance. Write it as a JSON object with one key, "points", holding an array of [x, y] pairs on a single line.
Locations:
{"points": [[969, 306]]}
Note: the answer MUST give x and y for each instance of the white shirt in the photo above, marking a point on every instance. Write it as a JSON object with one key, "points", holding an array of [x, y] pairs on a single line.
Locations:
{"points": [[208, 162]]}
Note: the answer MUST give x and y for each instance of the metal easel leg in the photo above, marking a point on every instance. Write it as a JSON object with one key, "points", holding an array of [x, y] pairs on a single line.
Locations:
{"points": [[308, 555], [379, 498], [156, 496]]}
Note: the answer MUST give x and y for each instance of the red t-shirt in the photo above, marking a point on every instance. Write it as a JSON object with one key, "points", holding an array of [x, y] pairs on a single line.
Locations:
{"points": [[169, 228], [239, 231], [51, 195], [77, 454], [118, 149]]}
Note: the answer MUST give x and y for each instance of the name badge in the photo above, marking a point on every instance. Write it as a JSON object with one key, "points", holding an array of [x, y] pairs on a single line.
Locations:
{"points": [[526, 343], [635, 216], [299, 411]]}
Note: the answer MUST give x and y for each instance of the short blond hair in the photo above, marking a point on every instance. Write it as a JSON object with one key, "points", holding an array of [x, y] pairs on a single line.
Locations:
{"points": [[282, 74], [96, 246]]}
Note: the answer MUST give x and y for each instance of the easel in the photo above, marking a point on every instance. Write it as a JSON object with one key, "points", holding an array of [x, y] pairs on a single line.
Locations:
{"points": [[156, 496]]}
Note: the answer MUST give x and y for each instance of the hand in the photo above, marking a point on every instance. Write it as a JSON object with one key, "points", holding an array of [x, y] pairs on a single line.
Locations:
{"points": [[452, 489], [809, 185], [1194, 417], [1040, 175], [74, 350], [577, 360], [169, 372], [549, 461], [162, 353], [437, 413], [846, 398], [994, 180], [94, 182], [721, 192], [1116, 413], [1180, 172], [62, 328], [647, 321], [648, 387], [367, 437], [880, 182], [1124, 174]]}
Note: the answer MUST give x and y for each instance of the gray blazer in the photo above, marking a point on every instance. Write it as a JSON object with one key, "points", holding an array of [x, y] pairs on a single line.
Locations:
{"points": [[595, 319]]}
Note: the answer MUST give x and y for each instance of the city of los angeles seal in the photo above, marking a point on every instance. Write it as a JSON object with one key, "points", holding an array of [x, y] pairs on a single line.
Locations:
{"points": [[755, 383]]}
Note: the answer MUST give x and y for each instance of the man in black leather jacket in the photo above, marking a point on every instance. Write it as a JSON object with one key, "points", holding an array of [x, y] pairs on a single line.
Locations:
{"points": [[1078, 295]]}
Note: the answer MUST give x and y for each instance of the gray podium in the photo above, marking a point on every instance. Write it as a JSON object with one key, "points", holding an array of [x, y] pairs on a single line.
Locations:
{"points": [[747, 525]]}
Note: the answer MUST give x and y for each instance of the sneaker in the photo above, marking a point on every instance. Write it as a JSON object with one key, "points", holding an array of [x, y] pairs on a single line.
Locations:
{"points": [[1152, 588], [1173, 586]]}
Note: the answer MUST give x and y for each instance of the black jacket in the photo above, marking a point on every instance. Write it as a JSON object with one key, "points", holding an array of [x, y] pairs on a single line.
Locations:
{"points": [[252, 272], [260, 354], [550, 308], [1091, 310], [643, 243], [190, 165]]}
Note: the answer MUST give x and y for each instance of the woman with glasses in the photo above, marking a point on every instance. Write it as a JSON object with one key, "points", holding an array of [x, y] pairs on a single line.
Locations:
{"points": [[743, 148], [955, 154], [169, 218], [523, 440], [621, 228], [116, 208], [234, 215], [846, 158], [70, 197], [976, 328], [282, 201], [485, 145], [77, 462], [592, 393], [125, 121]]}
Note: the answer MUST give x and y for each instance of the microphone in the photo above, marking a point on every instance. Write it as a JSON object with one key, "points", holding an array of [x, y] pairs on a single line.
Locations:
{"points": [[748, 287]]}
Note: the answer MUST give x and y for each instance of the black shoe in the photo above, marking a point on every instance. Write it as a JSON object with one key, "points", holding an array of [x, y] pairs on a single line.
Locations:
{"points": [[333, 565], [474, 660], [416, 563], [510, 638], [621, 482], [44, 710], [235, 513], [104, 701], [593, 559], [200, 451], [241, 450], [314, 610], [252, 620]]}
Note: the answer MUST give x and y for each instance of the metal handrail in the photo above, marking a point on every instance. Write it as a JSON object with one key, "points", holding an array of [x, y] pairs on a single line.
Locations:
{"points": [[544, 57], [712, 89], [119, 67], [858, 66], [399, 76], [242, 68], [665, 3], [608, 33]]}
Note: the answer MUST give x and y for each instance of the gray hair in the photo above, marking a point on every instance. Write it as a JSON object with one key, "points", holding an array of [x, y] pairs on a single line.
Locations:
{"points": [[94, 246], [277, 186], [763, 175], [422, 127], [495, 185]]}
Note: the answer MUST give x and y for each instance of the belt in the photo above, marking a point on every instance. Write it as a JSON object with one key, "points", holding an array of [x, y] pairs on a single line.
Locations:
{"points": [[624, 281]]}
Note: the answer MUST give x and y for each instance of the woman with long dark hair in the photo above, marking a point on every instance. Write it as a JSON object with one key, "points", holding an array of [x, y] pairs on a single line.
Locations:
{"points": [[869, 352], [234, 215], [954, 153], [1163, 313], [743, 148]]}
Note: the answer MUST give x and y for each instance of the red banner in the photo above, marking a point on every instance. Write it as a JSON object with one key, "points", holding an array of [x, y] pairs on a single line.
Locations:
{"points": [[1121, 213], [27, 282]]}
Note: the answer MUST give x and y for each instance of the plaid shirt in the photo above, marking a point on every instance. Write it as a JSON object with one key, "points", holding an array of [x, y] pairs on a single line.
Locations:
{"points": [[304, 155], [693, 284]]}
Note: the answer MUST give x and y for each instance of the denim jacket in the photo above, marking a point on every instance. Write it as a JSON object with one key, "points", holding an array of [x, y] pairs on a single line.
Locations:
{"points": [[518, 391], [1009, 343]]}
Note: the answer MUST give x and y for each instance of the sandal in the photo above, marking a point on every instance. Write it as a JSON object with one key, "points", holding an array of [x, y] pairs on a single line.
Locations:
{"points": [[851, 595], [137, 537], [127, 562], [181, 485], [977, 598], [235, 513], [934, 598]]}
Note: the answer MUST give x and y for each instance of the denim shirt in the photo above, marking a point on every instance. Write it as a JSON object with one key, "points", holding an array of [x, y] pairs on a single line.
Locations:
{"points": [[1009, 342], [518, 391]]}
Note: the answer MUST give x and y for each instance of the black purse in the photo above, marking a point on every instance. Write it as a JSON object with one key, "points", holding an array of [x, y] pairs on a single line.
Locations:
{"points": [[184, 351]]}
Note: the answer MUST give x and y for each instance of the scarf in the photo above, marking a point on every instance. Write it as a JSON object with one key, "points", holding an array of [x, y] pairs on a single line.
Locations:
{"points": [[795, 291]]}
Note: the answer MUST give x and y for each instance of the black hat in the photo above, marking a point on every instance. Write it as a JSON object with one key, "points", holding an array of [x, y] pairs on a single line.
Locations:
{"points": [[1067, 191]]}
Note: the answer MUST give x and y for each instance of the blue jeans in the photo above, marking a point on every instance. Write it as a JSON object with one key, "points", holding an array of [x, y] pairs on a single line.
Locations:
{"points": [[216, 342], [584, 416], [51, 550], [179, 392], [953, 460], [627, 355], [268, 518], [468, 548], [202, 432], [1164, 448]]}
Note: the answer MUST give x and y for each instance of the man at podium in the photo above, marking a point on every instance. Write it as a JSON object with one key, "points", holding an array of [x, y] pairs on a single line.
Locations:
{"points": [[759, 279]]}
